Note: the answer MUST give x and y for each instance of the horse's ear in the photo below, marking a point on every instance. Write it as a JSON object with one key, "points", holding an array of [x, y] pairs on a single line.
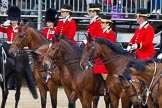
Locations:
{"points": [[21, 25], [88, 37], [27, 24]]}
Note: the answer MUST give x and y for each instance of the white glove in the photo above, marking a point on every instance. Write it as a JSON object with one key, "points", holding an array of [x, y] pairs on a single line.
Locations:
{"points": [[6, 23], [129, 48], [159, 56], [134, 46], [85, 41]]}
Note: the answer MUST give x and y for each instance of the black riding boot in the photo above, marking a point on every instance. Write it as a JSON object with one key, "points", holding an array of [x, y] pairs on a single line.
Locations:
{"points": [[106, 91]]}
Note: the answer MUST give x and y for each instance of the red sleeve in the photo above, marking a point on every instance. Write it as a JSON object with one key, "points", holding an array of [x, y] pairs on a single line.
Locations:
{"points": [[72, 30], [3, 29]]}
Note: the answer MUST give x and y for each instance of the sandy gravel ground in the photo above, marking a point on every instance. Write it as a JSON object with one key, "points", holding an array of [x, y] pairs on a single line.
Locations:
{"points": [[26, 100]]}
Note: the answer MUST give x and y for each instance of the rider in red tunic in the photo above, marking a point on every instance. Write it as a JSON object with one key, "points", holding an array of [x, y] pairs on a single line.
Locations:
{"points": [[67, 25], [108, 33], [50, 19], [142, 41], [95, 30]]}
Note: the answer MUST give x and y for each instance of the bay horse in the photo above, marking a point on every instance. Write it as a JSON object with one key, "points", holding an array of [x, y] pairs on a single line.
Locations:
{"points": [[115, 60], [86, 84], [37, 43], [149, 73], [16, 66]]}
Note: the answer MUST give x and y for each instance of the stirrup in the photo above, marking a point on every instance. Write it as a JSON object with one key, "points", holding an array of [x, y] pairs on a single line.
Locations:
{"points": [[48, 76], [1, 78], [106, 92]]}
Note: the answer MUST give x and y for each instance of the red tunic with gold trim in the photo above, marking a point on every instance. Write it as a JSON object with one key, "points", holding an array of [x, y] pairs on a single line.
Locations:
{"points": [[144, 38], [95, 30], [68, 28], [10, 32], [48, 32], [109, 34]]}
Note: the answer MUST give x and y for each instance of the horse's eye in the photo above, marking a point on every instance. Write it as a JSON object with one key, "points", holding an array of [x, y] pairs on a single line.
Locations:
{"points": [[21, 36]]}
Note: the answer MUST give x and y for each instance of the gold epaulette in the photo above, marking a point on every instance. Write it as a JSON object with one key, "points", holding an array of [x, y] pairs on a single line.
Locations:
{"points": [[107, 31], [145, 26], [69, 19]]}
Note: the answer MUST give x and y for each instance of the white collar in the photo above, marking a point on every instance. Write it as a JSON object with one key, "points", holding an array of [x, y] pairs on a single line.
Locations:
{"points": [[141, 25], [64, 20], [106, 28], [93, 19]]}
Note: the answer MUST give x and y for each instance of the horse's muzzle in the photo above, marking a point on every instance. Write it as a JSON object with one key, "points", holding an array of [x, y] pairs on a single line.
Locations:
{"points": [[46, 66]]}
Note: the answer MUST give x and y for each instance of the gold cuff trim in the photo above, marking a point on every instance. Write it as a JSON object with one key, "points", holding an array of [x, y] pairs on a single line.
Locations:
{"points": [[93, 9], [106, 20], [65, 10], [140, 45]]}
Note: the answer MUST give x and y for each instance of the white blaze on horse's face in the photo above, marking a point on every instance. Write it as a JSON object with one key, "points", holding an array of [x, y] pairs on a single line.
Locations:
{"points": [[49, 46]]}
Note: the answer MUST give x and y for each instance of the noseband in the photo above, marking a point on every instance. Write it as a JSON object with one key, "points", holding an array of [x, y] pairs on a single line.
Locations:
{"points": [[55, 50]]}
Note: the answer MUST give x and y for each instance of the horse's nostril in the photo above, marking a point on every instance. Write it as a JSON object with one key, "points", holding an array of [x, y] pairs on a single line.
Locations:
{"points": [[46, 66]]}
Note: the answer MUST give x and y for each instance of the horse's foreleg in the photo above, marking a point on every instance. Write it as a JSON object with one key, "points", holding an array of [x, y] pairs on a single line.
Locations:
{"points": [[43, 94], [95, 101], [53, 93], [87, 99], [4, 95], [114, 101], [107, 101], [72, 99], [17, 94]]}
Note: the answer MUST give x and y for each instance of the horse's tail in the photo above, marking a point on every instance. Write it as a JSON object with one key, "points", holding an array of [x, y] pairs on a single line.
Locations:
{"points": [[31, 82]]}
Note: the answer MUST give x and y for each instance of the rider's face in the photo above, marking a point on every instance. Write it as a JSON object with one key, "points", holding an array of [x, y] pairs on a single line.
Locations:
{"points": [[64, 14]]}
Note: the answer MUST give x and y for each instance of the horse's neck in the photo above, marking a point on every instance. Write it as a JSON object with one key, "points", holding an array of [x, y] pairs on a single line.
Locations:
{"points": [[37, 40], [71, 58], [148, 75], [114, 62]]}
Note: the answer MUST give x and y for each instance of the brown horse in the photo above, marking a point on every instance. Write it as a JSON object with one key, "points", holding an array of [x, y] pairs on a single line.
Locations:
{"points": [[149, 73], [115, 60], [86, 84], [37, 43]]}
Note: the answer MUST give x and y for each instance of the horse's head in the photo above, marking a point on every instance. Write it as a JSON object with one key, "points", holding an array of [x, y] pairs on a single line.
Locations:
{"points": [[91, 51], [54, 52], [21, 40], [132, 86]]}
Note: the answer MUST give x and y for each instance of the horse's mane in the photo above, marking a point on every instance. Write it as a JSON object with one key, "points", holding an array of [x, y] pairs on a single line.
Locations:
{"points": [[110, 44], [139, 64], [75, 47], [39, 32]]}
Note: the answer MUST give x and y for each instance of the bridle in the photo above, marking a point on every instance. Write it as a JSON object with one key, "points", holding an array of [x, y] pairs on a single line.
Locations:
{"points": [[55, 50], [53, 58], [136, 93], [91, 56]]}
